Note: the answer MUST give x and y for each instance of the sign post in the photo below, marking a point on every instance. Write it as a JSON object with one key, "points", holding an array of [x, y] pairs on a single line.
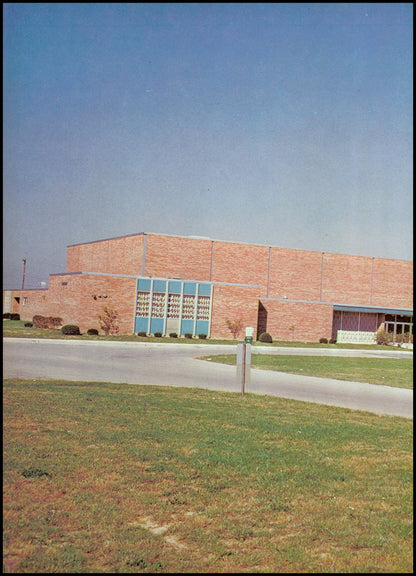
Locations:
{"points": [[244, 360]]}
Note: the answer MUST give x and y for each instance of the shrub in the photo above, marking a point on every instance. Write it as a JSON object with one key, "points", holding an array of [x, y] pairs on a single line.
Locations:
{"points": [[202, 336], [333, 341], [265, 337], [29, 325], [14, 316], [158, 334], [108, 321], [39, 321], [173, 335], [142, 334], [70, 329], [6, 316], [235, 327], [323, 340], [46, 322], [92, 332], [188, 335], [384, 338]]}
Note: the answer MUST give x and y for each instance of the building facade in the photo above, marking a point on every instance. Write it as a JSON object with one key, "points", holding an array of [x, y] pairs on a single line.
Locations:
{"points": [[193, 285]]}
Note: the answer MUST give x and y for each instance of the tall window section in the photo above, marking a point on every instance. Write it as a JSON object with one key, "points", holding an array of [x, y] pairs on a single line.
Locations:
{"points": [[168, 306]]}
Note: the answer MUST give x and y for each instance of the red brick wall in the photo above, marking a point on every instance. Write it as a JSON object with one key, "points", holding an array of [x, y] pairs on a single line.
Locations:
{"points": [[298, 321], [74, 302], [176, 257], [233, 303], [37, 303], [240, 263], [393, 283], [347, 279], [114, 256], [14, 306], [295, 274]]}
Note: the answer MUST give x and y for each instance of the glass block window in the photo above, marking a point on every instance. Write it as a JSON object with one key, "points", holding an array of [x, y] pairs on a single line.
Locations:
{"points": [[188, 310], [174, 305], [143, 304], [203, 307], [158, 305]]}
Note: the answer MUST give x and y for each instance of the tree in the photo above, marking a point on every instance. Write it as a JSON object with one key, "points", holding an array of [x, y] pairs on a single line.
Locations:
{"points": [[235, 327], [108, 321]]}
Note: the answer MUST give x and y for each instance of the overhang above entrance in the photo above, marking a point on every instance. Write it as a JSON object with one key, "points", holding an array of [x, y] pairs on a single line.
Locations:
{"points": [[369, 309]]}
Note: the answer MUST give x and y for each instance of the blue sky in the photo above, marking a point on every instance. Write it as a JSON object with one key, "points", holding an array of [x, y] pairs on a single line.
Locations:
{"points": [[277, 124]]}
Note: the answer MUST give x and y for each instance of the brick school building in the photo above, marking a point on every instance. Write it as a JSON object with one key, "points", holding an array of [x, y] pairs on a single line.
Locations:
{"points": [[196, 285]]}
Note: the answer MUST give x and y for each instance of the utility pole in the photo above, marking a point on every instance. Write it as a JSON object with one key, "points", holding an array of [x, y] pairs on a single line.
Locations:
{"points": [[24, 272]]}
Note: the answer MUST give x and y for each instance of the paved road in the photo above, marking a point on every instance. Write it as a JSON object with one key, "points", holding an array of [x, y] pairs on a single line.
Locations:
{"points": [[176, 365]]}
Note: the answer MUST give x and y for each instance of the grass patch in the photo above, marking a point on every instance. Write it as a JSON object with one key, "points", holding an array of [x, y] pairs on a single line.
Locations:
{"points": [[124, 478], [396, 372]]}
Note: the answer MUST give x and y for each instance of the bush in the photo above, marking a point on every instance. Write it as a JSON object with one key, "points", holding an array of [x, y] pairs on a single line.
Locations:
{"points": [[333, 341], [173, 335], [70, 329], [235, 326], [92, 332], [323, 341], [108, 321], [157, 334], [202, 336], [46, 322], [142, 334], [188, 335], [29, 325], [265, 337], [384, 338], [6, 316], [39, 321], [14, 316]]}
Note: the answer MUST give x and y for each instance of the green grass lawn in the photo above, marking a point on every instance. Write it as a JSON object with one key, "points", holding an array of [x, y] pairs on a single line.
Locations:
{"points": [[122, 478], [397, 372]]}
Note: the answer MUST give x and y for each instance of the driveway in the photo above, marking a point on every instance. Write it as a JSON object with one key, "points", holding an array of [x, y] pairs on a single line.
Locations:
{"points": [[176, 365]]}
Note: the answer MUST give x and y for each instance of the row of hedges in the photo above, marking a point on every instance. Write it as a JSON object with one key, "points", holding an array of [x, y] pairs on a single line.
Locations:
{"points": [[11, 316], [73, 330]]}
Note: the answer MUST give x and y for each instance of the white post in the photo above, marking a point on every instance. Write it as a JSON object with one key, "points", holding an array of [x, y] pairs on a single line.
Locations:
{"points": [[243, 365]]}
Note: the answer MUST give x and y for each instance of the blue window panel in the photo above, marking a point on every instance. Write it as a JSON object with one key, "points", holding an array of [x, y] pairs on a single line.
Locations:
{"points": [[189, 288], [156, 325], [159, 286], [141, 325], [187, 327], [175, 287], [205, 289], [202, 327], [145, 284]]}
